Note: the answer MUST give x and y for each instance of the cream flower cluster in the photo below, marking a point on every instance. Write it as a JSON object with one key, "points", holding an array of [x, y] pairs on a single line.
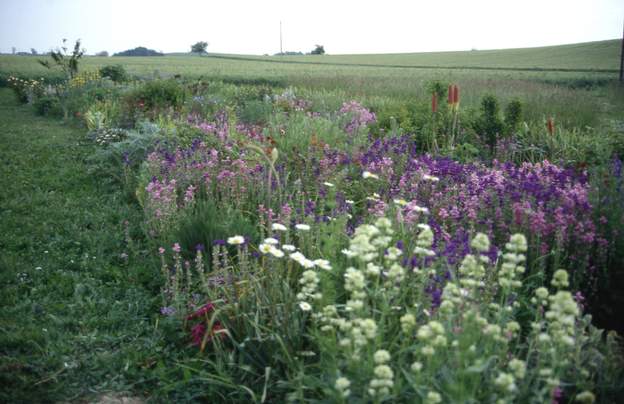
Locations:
{"points": [[432, 335], [369, 239], [424, 241], [309, 288], [380, 385], [512, 261]]}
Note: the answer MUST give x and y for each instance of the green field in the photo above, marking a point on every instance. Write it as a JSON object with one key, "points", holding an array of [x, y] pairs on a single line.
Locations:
{"points": [[550, 80], [590, 56]]}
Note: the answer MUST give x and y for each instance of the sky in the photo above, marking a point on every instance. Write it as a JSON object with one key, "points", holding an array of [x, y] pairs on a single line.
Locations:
{"points": [[341, 26]]}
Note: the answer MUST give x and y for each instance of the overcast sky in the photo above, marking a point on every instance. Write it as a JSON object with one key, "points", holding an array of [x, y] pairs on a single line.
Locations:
{"points": [[342, 26]]}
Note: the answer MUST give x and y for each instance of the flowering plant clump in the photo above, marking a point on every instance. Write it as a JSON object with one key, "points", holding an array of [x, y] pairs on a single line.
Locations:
{"points": [[384, 343], [83, 78], [366, 323], [359, 116], [373, 272], [26, 90]]}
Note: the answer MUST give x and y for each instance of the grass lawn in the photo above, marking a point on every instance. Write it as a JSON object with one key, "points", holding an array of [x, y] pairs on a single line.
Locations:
{"points": [[73, 323]]}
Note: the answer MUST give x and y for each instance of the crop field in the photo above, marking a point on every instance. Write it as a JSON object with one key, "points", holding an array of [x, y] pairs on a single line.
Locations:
{"points": [[546, 78], [410, 228]]}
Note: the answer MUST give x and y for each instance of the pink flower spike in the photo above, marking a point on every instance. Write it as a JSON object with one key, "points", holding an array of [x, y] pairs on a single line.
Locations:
{"points": [[161, 250], [177, 248]]}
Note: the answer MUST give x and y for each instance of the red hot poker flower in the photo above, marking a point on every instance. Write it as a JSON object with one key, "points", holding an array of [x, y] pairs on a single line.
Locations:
{"points": [[550, 125], [455, 95], [434, 103]]}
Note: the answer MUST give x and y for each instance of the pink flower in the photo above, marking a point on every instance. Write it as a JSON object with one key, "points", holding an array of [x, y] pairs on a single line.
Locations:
{"points": [[177, 248], [161, 250]]}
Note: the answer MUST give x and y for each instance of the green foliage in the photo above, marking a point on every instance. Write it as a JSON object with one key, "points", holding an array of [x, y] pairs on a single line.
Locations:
{"points": [[68, 63], [153, 98], [119, 161], [489, 124], [394, 116], [47, 105], [255, 112], [439, 88], [208, 223], [116, 73], [513, 115]]}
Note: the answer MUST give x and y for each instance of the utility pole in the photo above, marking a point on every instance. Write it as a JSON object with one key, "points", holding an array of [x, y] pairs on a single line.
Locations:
{"points": [[282, 52], [622, 60]]}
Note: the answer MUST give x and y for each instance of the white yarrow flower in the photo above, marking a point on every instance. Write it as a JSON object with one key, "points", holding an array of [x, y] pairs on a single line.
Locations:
{"points": [[302, 227], [289, 247], [323, 264], [236, 240], [348, 253], [278, 227], [271, 241], [276, 252], [305, 306], [368, 174]]}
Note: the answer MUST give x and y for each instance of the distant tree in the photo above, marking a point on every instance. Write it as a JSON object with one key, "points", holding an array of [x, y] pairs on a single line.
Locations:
{"points": [[289, 53], [140, 51], [319, 50], [67, 62], [199, 47], [102, 53], [13, 50], [33, 51]]}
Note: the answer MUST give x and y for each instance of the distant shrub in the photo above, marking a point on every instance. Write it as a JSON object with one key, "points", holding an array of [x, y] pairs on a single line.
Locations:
{"points": [[154, 97], [116, 73], [139, 51], [513, 115], [438, 88], [489, 124], [102, 54], [47, 105]]}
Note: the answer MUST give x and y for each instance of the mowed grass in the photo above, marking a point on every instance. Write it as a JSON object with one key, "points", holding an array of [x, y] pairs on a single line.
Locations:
{"points": [[75, 319]]}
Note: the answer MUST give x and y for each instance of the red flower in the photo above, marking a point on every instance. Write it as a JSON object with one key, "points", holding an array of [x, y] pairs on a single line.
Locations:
{"points": [[450, 94], [455, 95], [203, 311], [434, 103], [199, 331]]}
